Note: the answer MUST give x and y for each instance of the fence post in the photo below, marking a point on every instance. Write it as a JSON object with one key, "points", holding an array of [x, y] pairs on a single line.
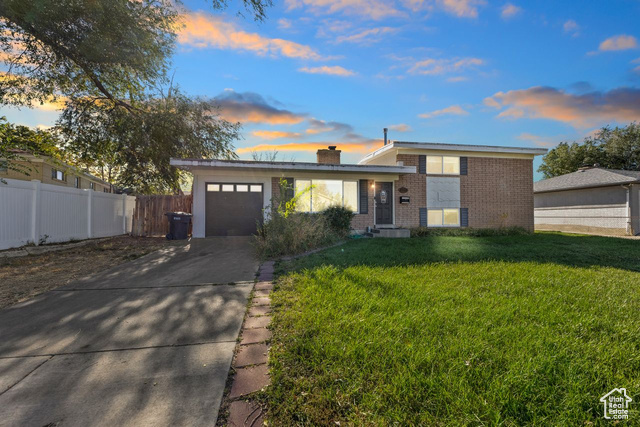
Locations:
{"points": [[89, 213], [124, 213], [35, 212]]}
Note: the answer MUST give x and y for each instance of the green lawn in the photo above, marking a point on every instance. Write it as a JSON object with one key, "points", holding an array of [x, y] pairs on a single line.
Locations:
{"points": [[508, 330]]}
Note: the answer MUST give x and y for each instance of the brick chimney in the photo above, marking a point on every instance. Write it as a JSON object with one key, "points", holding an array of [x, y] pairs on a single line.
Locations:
{"points": [[329, 156]]}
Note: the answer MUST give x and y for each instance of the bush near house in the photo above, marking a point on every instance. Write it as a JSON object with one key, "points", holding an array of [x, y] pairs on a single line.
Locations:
{"points": [[446, 330], [287, 232]]}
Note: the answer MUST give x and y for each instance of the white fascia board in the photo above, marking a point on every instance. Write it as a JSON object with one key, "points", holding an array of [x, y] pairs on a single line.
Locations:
{"points": [[427, 146], [282, 166]]}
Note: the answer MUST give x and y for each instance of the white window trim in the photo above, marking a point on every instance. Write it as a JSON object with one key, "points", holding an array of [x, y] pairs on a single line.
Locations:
{"points": [[295, 184], [443, 224]]}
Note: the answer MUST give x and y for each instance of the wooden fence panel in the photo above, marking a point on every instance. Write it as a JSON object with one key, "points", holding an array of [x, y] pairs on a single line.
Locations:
{"points": [[149, 217]]}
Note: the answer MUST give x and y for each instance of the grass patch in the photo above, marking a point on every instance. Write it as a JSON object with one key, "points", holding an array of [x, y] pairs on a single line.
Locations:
{"points": [[510, 330]]}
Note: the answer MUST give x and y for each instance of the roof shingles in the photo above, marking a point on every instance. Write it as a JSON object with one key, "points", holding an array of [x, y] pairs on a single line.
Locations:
{"points": [[587, 178]]}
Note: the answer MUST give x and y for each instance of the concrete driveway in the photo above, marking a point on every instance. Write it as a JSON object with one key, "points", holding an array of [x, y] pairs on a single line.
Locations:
{"points": [[146, 343]]}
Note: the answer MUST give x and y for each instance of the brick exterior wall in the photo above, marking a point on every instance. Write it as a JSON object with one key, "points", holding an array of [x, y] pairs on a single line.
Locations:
{"points": [[408, 215], [498, 192], [361, 221]]}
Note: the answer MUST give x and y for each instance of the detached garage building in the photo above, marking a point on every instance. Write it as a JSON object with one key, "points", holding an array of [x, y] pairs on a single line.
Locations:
{"points": [[591, 200], [399, 185]]}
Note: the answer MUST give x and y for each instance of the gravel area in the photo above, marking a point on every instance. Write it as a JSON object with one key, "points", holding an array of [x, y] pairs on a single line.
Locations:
{"points": [[25, 277]]}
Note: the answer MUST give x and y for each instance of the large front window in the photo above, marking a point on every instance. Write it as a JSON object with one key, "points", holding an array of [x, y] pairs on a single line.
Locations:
{"points": [[443, 165], [443, 217], [318, 194]]}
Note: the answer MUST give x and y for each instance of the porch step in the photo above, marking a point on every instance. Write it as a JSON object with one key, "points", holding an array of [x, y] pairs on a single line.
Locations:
{"points": [[391, 233]]}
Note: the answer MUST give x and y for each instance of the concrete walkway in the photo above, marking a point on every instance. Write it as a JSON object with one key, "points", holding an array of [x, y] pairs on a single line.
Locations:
{"points": [[146, 343]]}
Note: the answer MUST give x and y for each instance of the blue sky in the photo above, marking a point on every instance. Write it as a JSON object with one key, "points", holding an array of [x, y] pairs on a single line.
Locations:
{"points": [[321, 72]]}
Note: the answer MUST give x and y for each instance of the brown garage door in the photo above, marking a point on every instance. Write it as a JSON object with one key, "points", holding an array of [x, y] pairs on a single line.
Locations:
{"points": [[233, 209]]}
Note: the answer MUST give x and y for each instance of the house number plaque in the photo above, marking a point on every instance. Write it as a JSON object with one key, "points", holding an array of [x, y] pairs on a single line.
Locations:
{"points": [[383, 197]]}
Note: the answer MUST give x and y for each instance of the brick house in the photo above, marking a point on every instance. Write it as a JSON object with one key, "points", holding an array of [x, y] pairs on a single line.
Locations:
{"points": [[401, 185]]}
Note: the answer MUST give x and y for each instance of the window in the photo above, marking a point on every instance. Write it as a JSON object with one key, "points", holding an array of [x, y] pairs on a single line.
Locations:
{"points": [[243, 188], [318, 194], [92, 185], [227, 187], [256, 188], [213, 187], [434, 165], [4, 166], [57, 174], [443, 165], [443, 217], [77, 182]]}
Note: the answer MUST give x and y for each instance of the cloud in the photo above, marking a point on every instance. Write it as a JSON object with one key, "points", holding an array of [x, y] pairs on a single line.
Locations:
{"points": [[431, 66], [372, 9], [378, 9], [454, 110], [369, 36], [284, 24], [347, 147], [320, 126], [203, 31], [401, 127], [457, 79], [540, 141], [462, 8], [275, 134], [509, 11], [583, 110], [249, 107], [571, 27], [621, 42], [335, 70]]}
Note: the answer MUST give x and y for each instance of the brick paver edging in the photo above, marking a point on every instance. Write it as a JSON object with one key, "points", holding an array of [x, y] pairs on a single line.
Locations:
{"points": [[250, 362], [252, 351]]}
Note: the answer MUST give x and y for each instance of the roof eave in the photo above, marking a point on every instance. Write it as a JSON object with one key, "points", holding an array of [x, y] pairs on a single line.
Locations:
{"points": [[584, 187], [190, 164]]}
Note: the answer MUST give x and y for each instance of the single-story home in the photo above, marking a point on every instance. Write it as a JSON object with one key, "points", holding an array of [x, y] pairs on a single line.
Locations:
{"points": [[399, 185], [591, 200]]}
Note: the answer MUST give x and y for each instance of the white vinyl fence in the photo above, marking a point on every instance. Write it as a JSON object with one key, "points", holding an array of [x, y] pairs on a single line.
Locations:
{"points": [[32, 212]]}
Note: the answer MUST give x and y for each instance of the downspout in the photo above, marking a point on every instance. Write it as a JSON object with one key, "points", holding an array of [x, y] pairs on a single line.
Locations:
{"points": [[629, 224]]}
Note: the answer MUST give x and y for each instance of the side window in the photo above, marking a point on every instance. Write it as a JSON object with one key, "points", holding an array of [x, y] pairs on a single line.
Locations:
{"points": [[92, 185], [57, 175], [77, 182]]}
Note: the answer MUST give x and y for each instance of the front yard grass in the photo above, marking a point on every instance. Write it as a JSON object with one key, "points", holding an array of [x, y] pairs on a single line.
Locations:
{"points": [[509, 330]]}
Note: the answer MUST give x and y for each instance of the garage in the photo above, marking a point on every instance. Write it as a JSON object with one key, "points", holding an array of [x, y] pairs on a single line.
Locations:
{"points": [[233, 209]]}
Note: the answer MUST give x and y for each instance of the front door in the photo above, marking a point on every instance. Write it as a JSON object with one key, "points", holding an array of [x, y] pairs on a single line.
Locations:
{"points": [[384, 203]]}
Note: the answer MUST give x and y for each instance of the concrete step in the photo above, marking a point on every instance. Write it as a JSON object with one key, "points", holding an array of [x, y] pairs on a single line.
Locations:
{"points": [[392, 233]]}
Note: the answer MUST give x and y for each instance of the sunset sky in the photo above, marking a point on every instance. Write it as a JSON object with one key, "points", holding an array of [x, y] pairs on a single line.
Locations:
{"points": [[320, 72]]}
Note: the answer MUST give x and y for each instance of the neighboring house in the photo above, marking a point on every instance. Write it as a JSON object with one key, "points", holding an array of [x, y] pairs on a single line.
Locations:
{"points": [[50, 171], [593, 200], [400, 185]]}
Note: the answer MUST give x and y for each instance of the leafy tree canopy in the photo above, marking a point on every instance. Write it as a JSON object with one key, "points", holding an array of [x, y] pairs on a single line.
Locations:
{"points": [[105, 62], [17, 141], [617, 148]]}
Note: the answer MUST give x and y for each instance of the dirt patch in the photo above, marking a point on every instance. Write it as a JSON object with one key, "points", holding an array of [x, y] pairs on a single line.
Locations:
{"points": [[25, 277]]}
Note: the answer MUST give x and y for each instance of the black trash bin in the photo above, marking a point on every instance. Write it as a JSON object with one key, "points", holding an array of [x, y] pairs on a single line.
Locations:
{"points": [[178, 225]]}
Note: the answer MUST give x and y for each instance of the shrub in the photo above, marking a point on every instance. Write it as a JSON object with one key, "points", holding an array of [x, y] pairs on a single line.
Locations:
{"points": [[475, 232], [339, 219], [294, 234], [287, 232]]}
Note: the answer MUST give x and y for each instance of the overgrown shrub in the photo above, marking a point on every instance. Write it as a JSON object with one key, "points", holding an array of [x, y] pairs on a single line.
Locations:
{"points": [[475, 232], [339, 219], [287, 232]]}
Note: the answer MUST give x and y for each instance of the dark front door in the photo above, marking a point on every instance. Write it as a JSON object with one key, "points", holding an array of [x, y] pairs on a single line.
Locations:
{"points": [[384, 203], [233, 209]]}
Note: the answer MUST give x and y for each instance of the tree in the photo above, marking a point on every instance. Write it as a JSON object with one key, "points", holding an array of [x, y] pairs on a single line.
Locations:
{"points": [[104, 60], [17, 141], [617, 148], [136, 148]]}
